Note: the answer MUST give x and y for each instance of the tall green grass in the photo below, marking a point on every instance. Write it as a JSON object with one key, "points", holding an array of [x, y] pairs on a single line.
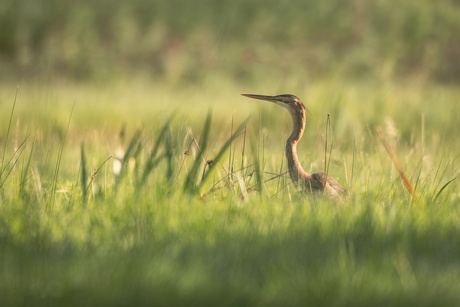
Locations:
{"points": [[170, 227]]}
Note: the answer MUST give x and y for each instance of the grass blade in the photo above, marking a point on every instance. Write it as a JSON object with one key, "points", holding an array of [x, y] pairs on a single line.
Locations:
{"points": [[128, 154], [84, 174], [396, 163], [442, 189], [17, 152], [58, 161], [257, 169], [169, 154], [96, 172], [242, 151], [230, 166], [152, 161], [26, 169], [8, 132], [190, 181], [222, 151]]}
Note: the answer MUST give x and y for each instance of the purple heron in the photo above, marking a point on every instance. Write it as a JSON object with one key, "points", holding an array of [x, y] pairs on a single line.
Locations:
{"points": [[317, 182]]}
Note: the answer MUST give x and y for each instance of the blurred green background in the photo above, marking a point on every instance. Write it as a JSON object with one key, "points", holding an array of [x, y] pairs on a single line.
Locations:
{"points": [[190, 41]]}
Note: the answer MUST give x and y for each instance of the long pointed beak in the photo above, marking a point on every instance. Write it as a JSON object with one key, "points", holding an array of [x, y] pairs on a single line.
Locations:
{"points": [[261, 97]]}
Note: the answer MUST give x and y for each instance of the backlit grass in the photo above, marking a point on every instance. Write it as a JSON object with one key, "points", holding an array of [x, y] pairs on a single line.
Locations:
{"points": [[171, 228]]}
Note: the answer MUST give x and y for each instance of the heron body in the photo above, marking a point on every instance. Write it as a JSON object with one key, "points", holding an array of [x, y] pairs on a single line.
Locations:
{"points": [[306, 182]]}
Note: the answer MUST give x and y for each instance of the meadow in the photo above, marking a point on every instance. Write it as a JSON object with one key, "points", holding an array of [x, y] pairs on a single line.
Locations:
{"points": [[140, 176]]}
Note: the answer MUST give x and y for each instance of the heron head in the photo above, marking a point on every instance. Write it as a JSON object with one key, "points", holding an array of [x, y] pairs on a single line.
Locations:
{"points": [[288, 101]]}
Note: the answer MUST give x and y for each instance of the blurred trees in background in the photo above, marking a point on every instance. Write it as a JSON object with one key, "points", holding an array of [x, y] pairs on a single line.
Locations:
{"points": [[242, 40]]}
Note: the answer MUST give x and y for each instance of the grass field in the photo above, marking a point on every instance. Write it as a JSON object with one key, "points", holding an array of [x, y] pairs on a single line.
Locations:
{"points": [[155, 233], [134, 174]]}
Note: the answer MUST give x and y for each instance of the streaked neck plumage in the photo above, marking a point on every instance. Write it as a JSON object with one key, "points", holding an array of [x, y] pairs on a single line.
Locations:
{"points": [[296, 170]]}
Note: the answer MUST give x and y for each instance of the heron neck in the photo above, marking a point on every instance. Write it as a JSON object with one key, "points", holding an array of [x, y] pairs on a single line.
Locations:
{"points": [[296, 170]]}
